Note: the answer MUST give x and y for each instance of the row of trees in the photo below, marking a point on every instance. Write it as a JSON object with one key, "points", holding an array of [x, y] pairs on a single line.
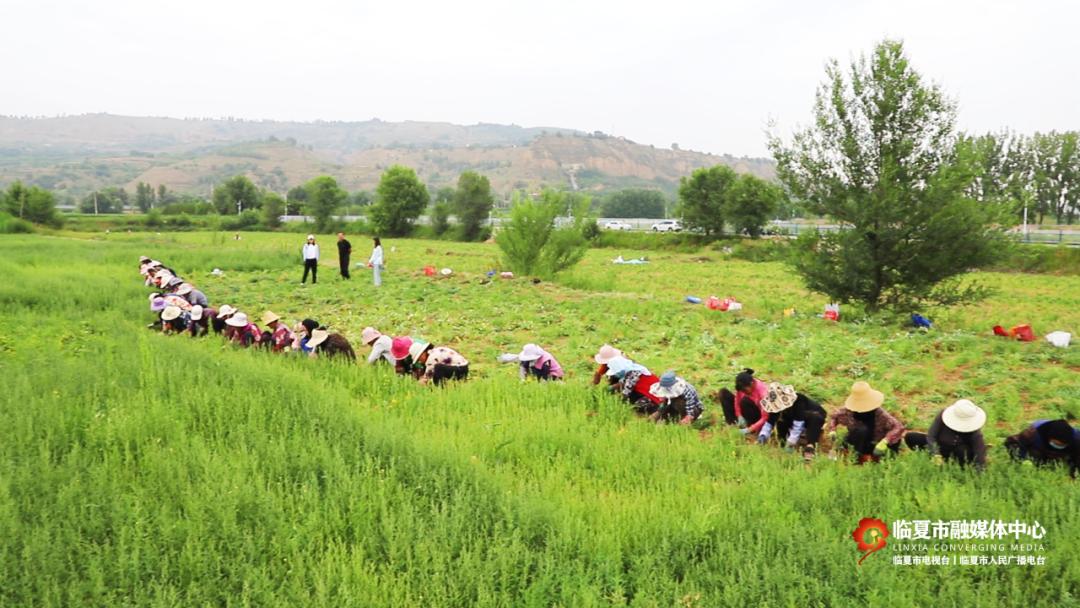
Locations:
{"points": [[30, 203], [717, 196], [1040, 172]]}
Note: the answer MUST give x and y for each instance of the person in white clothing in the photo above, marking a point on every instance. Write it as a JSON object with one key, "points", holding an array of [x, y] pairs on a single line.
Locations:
{"points": [[380, 345], [311, 260], [375, 262]]}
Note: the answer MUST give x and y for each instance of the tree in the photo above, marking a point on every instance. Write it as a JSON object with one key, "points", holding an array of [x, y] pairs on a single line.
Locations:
{"points": [[445, 195], [107, 200], [635, 202], [472, 203], [702, 197], [400, 198], [882, 159], [273, 208], [532, 244], [164, 197], [295, 199], [324, 197], [235, 195], [750, 203], [360, 198], [32, 204], [144, 196], [440, 218]]}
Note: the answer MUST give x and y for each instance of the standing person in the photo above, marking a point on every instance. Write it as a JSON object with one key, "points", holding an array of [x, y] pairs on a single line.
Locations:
{"points": [[871, 430], [380, 345], [538, 363], [344, 250], [281, 337], [681, 400], [376, 262], [311, 260], [955, 434], [794, 416], [1047, 442]]}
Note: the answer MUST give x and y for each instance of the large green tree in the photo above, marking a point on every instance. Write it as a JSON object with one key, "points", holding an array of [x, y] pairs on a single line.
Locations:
{"points": [[106, 200], [532, 241], [750, 203], [472, 204], [635, 202], [144, 196], [236, 194], [272, 210], [702, 198], [400, 198], [324, 198], [31, 203], [883, 159]]}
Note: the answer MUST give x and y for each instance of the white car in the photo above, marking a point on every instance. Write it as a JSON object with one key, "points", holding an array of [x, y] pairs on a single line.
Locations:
{"points": [[667, 226], [617, 225]]}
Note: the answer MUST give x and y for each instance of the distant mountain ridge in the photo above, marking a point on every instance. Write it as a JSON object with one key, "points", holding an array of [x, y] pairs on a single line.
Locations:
{"points": [[76, 154]]}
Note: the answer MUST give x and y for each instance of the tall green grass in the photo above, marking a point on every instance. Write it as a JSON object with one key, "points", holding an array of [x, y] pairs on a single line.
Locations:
{"points": [[141, 469]]}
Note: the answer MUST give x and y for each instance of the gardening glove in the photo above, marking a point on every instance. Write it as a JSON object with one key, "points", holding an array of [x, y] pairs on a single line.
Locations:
{"points": [[686, 420], [744, 431], [766, 430], [1027, 463], [938, 459], [879, 449], [741, 422], [795, 432]]}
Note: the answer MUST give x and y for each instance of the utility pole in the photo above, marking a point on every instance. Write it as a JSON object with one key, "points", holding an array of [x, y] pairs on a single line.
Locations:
{"points": [[239, 207], [95, 204]]}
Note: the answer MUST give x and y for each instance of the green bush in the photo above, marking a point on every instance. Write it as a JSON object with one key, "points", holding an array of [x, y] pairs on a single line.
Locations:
{"points": [[13, 225]]}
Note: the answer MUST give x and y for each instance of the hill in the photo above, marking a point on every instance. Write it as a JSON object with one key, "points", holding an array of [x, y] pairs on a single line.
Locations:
{"points": [[77, 154]]}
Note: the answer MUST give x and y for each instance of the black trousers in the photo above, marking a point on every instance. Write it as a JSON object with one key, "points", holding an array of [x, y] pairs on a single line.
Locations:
{"points": [[313, 266], [343, 261], [861, 439], [811, 434], [442, 373], [750, 410], [960, 451]]}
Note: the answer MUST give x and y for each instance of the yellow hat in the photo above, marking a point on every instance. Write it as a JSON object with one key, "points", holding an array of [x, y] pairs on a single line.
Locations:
{"points": [[863, 398]]}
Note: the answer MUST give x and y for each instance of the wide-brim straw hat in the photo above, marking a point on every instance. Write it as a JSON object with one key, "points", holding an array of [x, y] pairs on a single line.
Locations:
{"points": [[196, 312], [237, 320], [670, 386], [184, 289], [964, 416], [417, 348], [530, 352], [399, 349], [317, 337], [778, 398], [269, 317], [863, 398], [607, 353], [226, 310], [369, 335], [170, 313]]}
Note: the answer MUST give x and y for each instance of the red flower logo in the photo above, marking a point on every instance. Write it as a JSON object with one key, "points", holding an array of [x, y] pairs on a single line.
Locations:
{"points": [[870, 536]]}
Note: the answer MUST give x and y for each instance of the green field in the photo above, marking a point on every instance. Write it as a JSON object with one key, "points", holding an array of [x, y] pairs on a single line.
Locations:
{"points": [[141, 469]]}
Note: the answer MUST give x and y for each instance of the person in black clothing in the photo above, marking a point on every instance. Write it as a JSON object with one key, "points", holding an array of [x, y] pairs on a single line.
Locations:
{"points": [[344, 250], [1047, 442], [796, 417], [955, 434]]}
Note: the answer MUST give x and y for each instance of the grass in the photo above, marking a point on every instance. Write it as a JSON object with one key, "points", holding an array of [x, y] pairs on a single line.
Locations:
{"points": [[140, 469]]}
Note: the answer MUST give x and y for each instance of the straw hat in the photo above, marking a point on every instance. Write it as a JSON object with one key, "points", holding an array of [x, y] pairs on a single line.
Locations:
{"points": [[607, 353], [778, 398], [317, 337], [170, 313], [184, 289], [670, 386], [530, 352], [417, 348], [237, 320], [143, 259], [369, 335], [269, 317], [964, 416], [226, 310], [399, 349], [863, 398], [196, 313]]}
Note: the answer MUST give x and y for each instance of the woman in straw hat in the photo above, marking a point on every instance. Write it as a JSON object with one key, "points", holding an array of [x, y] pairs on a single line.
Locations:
{"points": [[429, 363], [795, 416], [380, 345], [680, 400], [201, 320], [302, 335], [538, 363], [218, 322], [242, 331], [1047, 442], [325, 344], [955, 434], [192, 295], [633, 381], [607, 353], [278, 334], [173, 320], [871, 430]]}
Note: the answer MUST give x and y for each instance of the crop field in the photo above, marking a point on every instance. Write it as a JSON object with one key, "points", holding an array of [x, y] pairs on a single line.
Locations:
{"points": [[142, 469]]}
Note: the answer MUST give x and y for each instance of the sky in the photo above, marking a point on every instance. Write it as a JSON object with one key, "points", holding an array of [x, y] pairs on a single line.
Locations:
{"points": [[710, 76]]}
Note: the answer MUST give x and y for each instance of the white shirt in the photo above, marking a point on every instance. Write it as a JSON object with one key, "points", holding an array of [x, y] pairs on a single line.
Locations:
{"points": [[381, 349], [311, 251], [376, 258]]}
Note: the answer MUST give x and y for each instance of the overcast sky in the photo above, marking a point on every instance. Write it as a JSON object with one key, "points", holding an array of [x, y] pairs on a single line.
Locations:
{"points": [[707, 75]]}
